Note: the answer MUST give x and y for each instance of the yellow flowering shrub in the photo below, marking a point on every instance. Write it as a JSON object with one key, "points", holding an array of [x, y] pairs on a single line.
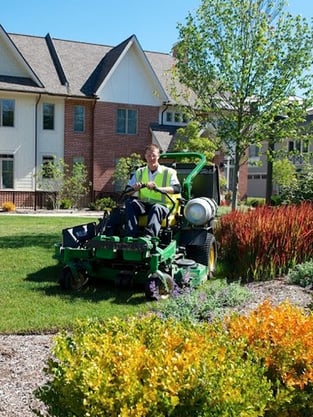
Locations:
{"points": [[148, 367], [282, 337], [8, 206]]}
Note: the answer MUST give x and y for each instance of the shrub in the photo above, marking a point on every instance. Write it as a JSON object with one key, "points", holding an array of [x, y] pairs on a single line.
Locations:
{"points": [[302, 274], [8, 206], [65, 204], [255, 201], [154, 368], [267, 241], [102, 204], [206, 304], [282, 338]]}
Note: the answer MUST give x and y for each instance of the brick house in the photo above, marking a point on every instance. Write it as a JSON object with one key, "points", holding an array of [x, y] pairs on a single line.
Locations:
{"points": [[81, 102]]}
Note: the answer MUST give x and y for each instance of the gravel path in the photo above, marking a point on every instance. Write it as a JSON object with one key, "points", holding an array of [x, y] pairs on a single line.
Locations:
{"points": [[22, 358]]}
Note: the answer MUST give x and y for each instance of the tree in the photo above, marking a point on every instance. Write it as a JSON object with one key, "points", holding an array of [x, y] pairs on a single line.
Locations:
{"points": [[76, 186], [61, 184], [124, 168], [284, 173], [244, 59], [189, 138]]}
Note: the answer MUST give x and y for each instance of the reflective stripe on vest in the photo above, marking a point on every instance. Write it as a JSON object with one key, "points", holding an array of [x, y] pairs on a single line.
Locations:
{"points": [[162, 179]]}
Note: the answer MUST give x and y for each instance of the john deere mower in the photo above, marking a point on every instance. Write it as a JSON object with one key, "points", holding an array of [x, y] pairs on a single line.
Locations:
{"points": [[184, 254]]}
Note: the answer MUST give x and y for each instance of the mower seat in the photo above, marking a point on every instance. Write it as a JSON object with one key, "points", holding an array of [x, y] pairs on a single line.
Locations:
{"points": [[143, 219]]}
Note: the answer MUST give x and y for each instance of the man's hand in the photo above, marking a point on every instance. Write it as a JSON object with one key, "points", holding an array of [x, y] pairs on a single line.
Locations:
{"points": [[137, 186], [151, 185]]}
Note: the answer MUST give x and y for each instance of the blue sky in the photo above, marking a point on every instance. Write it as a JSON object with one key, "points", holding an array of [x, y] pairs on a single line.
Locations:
{"points": [[109, 22]]}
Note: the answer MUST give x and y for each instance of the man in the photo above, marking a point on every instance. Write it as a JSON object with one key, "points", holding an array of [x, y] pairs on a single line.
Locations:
{"points": [[150, 202]]}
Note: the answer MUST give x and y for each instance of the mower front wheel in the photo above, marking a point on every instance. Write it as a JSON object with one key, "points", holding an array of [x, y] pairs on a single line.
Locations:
{"points": [[69, 282], [205, 254], [156, 290]]}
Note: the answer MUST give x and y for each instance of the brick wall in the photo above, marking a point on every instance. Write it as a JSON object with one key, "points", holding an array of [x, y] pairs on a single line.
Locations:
{"points": [[109, 146], [78, 144]]}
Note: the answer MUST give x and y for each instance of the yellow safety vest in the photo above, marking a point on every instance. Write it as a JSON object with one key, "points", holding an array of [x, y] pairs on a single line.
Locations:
{"points": [[162, 179]]}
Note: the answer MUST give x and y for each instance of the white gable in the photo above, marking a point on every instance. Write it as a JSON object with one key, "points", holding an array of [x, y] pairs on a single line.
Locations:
{"points": [[132, 81], [10, 64]]}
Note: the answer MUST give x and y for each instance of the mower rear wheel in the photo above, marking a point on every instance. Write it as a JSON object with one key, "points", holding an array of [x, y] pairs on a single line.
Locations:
{"points": [[69, 282], [205, 254], [155, 289]]}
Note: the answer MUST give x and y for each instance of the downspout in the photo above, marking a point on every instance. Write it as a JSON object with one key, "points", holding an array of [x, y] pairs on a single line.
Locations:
{"points": [[92, 150], [36, 149]]}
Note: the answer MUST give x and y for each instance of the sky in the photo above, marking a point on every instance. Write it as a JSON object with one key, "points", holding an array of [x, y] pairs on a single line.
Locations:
{"points": [[109, 22]]}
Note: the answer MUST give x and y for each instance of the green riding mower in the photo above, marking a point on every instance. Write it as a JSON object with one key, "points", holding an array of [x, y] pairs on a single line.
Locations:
{"points": [[184, 254]]}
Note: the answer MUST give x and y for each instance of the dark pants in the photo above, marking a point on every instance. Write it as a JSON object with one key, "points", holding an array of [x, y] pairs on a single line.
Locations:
{"points": [[134, 208]]}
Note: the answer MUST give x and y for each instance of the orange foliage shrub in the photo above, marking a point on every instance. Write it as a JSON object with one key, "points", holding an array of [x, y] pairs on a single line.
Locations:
{"points": [[282, 337]]}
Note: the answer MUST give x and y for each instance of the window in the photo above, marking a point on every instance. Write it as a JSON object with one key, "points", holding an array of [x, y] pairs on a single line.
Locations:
{"points": [[79, 118], [254, 151], [7, 112], [176, 117], [169, 116], [48, 116], [299, 146], [127, 121], [47, 166], [6, 168]]}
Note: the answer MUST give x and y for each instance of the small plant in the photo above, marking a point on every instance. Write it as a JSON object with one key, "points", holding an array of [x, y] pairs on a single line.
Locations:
{"points": [[65, 204], [102, 204], [206, 304], [255, 201], [8, 206], [302, 275]]}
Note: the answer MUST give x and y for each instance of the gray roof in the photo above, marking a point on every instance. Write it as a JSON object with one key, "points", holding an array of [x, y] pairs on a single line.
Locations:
{"points": [[72, 68]]}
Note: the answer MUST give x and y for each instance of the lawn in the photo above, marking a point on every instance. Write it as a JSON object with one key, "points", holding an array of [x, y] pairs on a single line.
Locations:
{"points": [[31, 299]]}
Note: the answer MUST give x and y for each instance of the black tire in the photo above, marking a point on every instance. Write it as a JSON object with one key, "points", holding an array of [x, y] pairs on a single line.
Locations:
{"points": [[69, 282], [205, 254], [155, 289]]}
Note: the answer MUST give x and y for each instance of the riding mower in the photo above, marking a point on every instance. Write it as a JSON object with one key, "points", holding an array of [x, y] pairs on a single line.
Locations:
{"points": [[184, 254]]}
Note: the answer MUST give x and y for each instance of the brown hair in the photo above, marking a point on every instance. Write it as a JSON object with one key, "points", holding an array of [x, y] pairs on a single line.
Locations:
{"points": [[152, 147]]}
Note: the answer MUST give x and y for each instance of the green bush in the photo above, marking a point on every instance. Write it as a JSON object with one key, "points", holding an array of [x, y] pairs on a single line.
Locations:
{"points": [[302, 274], [102, 204], [149, 367], [66, 204], [255, 201]]}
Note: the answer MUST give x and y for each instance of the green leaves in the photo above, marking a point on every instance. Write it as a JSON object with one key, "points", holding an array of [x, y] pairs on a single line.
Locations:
{"points": [[244, 59]]}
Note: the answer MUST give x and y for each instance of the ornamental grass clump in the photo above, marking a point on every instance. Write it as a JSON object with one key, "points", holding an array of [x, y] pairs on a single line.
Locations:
{"points": [[282, 338], [266, 242], [149, 367]]}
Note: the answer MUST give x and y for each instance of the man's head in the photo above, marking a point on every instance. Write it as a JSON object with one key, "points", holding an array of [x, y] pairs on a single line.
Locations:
{"points": [[152, 155]]}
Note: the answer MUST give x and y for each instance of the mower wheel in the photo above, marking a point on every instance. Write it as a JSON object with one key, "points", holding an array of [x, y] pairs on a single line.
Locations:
{"points": [[205, 254], [155, 289], [69, 282]]}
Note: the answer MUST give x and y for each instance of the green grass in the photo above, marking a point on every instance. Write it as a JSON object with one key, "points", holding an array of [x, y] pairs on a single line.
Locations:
{"points": [[31, 300]]}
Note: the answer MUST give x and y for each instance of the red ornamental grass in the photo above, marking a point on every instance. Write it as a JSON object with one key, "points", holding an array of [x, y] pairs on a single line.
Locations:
{"points": [[266, 242]]}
